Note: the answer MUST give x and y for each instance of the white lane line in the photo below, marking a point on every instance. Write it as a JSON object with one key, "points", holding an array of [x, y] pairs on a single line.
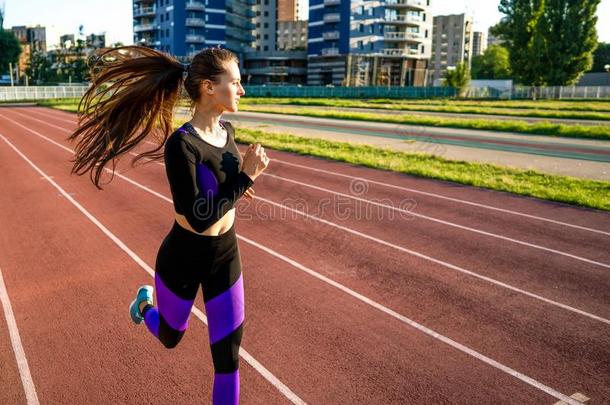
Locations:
{"points": [[13, 331], [457, 200], [287, 392], [430, 332], [452, 224], [380, 241], [577, 396]]}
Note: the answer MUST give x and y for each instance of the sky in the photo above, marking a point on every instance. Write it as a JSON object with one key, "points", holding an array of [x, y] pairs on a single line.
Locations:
{"points": [[114, 17]]}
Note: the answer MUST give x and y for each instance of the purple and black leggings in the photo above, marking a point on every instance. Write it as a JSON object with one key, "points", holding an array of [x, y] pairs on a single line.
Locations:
{"points": [[186, 260]]}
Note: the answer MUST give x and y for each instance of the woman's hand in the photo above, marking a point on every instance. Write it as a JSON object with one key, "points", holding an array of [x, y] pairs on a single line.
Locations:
{"points": [[255, 161]]}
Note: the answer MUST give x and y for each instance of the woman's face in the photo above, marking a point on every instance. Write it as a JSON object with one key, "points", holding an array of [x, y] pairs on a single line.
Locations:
{"points": [[225, 94]]}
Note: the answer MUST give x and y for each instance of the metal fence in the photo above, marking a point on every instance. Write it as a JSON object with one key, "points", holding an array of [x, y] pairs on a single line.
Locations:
{"points": [[18, 93], [349, 92]]}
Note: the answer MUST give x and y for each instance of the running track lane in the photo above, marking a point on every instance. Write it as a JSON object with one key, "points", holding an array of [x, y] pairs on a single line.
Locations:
{"points": [[302, 340]]}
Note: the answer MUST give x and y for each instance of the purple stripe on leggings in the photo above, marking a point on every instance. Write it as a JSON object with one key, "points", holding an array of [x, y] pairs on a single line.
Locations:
{"points": [[226, 389], [226, 312], [174, 309], [151, 319]]}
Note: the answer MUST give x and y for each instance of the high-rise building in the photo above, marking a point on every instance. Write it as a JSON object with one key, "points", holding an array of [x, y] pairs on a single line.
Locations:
{"points": [[278, 55], [479, 43], [36, 37], [31, 39], [451, 43], [96, 41], [184, 27], [67, 41], [364, 43]]}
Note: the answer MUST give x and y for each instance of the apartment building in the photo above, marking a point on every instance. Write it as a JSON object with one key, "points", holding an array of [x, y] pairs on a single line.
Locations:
{"points": [[279, 51], [479, 43], [452, 43], [369, 43], [184, 27]]}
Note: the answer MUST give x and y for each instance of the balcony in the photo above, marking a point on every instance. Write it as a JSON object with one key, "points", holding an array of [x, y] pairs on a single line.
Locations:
{"points": [[399, 52], [331, 3], [195, 22], [330, 35], [144, 12], [194, 6], [403, 19], [403, 36], [195, 38], [330, 51], [332, 17], [144, 27], [419, 4]]}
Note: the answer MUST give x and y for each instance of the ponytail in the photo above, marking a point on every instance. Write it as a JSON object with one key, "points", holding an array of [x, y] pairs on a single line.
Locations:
{"points": [[134, 90]]}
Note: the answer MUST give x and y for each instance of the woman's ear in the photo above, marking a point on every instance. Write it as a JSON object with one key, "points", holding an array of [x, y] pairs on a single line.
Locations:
{"points": [[206, 86]]}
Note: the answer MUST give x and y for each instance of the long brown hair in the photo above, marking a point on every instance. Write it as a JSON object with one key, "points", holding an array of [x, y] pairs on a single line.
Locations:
{"points": [[134, 90]]}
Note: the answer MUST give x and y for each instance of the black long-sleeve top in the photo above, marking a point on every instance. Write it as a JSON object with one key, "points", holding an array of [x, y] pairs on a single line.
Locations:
{"points": [[205, 180]]}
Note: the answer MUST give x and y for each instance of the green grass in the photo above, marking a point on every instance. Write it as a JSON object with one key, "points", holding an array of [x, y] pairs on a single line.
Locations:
{"points": [[570, 190], [601, 132], [543, 110]]}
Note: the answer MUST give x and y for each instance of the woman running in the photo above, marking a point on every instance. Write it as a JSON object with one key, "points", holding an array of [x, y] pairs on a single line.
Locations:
{"points": [[134, 90]]}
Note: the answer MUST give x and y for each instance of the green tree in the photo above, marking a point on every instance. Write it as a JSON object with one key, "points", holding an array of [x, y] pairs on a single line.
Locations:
{"points": [[459, 78], [550, 42], [10, 49], [492, 64], [601, 57]]}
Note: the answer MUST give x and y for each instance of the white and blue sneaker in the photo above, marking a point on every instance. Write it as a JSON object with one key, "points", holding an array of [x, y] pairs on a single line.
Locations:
{"points": [[145, 293]]}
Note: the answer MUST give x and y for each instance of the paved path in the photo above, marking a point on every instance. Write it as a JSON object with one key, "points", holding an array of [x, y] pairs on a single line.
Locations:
{"points": [[569, 121], [565, 156]]}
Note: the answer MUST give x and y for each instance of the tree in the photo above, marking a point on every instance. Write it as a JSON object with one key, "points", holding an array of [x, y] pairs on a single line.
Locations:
{"points": [[492, 64], [550, 42], [458, 77], [601, 57], [10, 49]]}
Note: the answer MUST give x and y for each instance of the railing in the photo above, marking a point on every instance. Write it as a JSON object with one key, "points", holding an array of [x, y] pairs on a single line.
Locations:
{"points": [[142, 11], [195, 38], [144, 27], [415, 3], [16, 93], [24, 93], [408, 19], [332, 17], [195, 22], [330, 35], [195, 5], [399, 52], [403, 36], [330, 51]]}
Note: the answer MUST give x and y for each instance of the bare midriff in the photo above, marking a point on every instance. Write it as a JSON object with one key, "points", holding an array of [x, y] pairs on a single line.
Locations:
{"points": [[217, 228]]}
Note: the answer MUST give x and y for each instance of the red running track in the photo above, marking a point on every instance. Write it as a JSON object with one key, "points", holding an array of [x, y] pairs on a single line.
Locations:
{"points": [[455, 303]]}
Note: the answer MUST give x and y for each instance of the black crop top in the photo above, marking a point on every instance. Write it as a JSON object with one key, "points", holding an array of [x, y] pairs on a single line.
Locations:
{"points": [[205, 180]]}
